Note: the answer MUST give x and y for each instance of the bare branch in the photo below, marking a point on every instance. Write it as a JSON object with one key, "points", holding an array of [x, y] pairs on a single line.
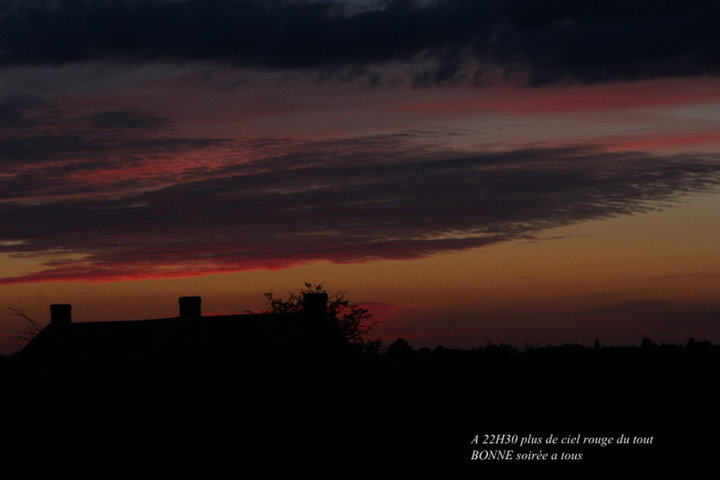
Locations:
{"points": [[32, 327]]}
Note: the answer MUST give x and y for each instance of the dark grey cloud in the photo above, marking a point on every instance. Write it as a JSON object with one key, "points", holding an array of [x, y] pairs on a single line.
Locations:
{"points": [[41, 146], [126, 120], [686, 276], [14, 112], [545, 42], [325, 204]]}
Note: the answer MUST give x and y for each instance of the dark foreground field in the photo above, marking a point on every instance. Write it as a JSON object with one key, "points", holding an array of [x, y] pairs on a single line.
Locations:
{"points": [[404, 414]]}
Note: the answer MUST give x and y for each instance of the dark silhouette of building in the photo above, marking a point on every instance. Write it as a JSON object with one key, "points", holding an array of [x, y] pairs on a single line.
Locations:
{"points": [[206, 346]]}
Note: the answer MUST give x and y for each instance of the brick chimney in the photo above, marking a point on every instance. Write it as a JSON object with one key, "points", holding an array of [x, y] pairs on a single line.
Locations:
{"points": [[60, 314], [190, 308], [315, 306]]}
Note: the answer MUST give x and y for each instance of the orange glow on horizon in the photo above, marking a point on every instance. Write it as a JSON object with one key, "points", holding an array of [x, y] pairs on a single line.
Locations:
{"points": [[516, 291]]}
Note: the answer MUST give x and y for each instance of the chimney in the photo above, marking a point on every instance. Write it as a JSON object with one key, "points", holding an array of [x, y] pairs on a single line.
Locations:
{"points": [[190, 308], [60, 314], [315, 306]]}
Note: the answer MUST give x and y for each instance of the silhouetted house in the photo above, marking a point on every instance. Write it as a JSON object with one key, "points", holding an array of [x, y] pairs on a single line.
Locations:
{"points": [[189, 342]]}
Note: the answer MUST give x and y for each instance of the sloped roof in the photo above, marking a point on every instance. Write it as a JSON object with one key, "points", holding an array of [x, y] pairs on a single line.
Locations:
{"points": [[143, 340]]}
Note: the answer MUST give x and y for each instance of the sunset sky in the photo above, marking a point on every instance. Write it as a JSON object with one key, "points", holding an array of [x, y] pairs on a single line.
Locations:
{"points": [[518, 171]]}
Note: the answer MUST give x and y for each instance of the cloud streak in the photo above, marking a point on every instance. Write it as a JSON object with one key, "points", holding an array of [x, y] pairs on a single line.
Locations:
{"points": [[462, 40], [346, 200], [45, 154]]}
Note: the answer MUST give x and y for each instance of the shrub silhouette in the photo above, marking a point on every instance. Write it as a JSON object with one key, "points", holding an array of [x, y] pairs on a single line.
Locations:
{"points": [[353, 321]]}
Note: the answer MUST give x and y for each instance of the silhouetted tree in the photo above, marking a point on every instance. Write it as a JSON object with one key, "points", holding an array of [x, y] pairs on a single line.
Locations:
{"points": [[353, 321], [399, 349]]}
